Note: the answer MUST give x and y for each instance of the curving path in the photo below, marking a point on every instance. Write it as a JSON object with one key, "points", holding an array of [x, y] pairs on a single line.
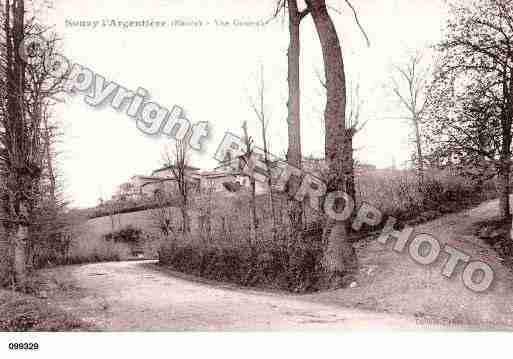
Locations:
{"points": [[126, 296]]}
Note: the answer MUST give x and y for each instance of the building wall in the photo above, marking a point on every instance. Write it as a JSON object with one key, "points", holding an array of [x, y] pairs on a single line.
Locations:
{"points": [[165, 187], [168, 173], [217, 183]]}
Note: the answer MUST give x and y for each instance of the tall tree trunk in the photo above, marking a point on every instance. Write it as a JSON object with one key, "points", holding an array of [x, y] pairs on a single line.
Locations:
{"points": [[248, 142], [20, 254], [20, 169], [295, 208], [6, 258], [186, 227], [269, 180], [19, 193], [420, 156], [254, 209], [24, 178], [339, 257], [184, 205]]}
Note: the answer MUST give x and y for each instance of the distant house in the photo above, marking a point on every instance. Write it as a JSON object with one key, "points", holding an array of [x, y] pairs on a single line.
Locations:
{"points": [[152, 186], [228, 176], [126, 191], [169, 171], [225, 179]]}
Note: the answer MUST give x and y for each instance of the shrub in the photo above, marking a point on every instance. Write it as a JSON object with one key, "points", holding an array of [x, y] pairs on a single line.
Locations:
{"points": [[52, 248], [88, 246], [21, 313], [269, 266], [398, 194], [224, 247], [128, 234]]}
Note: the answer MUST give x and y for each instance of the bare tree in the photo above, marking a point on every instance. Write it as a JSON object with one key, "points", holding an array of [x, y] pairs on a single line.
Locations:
{"points": [[294, 154], [354, 124], [19, 138], [206, 204], [26, 165], [162, 216], [477, 48], [411, 85], [259, 110], [247, 157], [49, 135], [340, 257], [295, 16], [178, 163]]}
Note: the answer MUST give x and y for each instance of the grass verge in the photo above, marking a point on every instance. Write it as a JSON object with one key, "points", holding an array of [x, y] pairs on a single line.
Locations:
{"points": [[25, 313]]}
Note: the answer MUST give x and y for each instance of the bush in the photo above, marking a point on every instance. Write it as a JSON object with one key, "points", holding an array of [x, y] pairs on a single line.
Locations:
{"points": [[128, 234], [52, 248], [22, 313], [398, 194], [90, 247], [270, 266], [223, 247]]}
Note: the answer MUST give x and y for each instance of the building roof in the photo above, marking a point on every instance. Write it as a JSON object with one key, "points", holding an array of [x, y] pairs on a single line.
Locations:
{"points": [[233, 163], [166, 179], [190, 168], [218, 174], [147, 178]]}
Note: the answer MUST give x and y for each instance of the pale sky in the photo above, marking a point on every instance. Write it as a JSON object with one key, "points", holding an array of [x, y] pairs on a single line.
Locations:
{"points": [[210, 71]]}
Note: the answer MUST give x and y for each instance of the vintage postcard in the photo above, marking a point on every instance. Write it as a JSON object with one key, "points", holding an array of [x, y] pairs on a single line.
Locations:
{"points": [[254, 166]]}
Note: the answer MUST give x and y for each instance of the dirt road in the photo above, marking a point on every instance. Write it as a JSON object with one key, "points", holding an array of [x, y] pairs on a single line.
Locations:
{"points": [[394, 283], [139, 296]]}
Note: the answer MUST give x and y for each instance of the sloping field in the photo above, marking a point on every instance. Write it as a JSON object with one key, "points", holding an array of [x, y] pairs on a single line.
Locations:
{"points": [[88, 240]]}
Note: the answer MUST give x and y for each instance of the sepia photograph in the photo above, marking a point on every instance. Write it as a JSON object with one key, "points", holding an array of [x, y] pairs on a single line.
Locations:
{"points": [[201, 175]]}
